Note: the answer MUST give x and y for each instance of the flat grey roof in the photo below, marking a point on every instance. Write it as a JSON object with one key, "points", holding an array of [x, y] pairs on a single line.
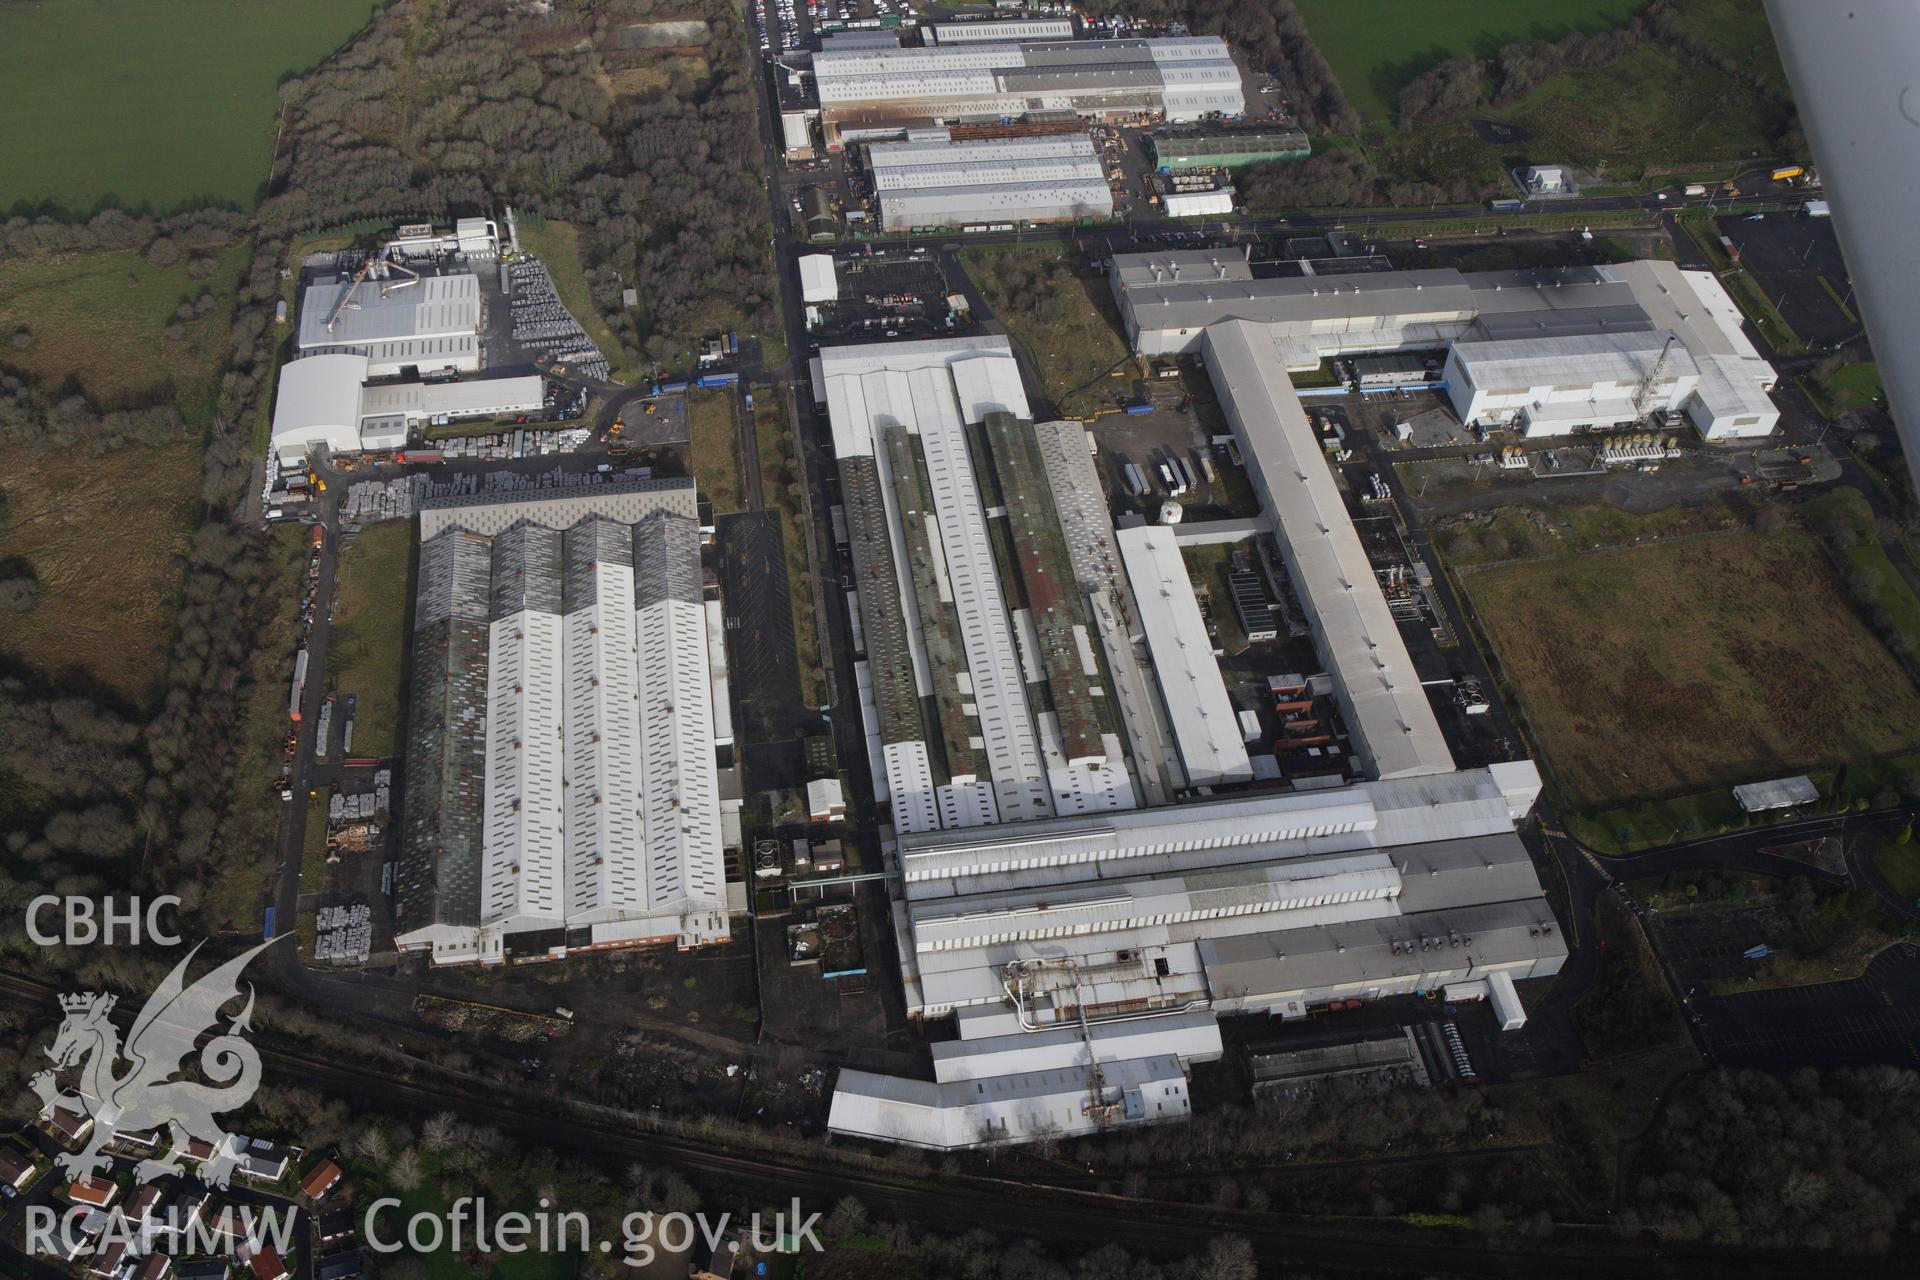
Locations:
{"points": [[1386, 708]]}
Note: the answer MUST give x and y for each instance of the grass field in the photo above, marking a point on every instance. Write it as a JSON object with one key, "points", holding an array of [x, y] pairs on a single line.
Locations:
{"points": [[369, 647], [99, 322], [1376, 46], [313, 848], [770, 425], [1851, 385], [1844, 514], [104, 535], [1650, 110], [134, 104], [1900, 865], [1065, 323], [1688, 665], [714, 449]]}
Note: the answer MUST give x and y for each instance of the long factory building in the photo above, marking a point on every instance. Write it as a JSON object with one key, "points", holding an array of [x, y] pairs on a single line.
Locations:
{"points": [[1547, 352], [959, 664], [872, 93], [562, 786], [1094, 949], [1079, 952], [931, 181]]}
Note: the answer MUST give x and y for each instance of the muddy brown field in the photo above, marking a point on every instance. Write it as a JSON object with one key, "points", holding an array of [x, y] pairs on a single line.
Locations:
{"points": [[1691, 664]]}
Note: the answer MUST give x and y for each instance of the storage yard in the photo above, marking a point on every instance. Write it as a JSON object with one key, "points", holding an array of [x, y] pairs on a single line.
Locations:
{"points": [[1699, 662]]}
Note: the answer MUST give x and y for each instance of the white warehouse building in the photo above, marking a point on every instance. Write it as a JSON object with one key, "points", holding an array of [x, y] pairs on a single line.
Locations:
{"points": [[1546, 351], [321, 401], [563, 789], [877, 93], [1075, 952], [932, 181], [425, 325]]}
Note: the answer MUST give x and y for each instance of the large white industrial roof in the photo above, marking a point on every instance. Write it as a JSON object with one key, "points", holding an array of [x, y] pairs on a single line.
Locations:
{"points": [[318, 400], [1578, 359], [817, 280], [465, 398], [1049, 200], [990, 161], [1205, 727], [1190, 66], [1192, 1036], [1009, 1108], [376, 311], [1386, 708], [862, 396], [1001, 29]]}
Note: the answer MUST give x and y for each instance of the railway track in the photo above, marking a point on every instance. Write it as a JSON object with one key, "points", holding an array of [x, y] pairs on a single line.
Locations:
{"points": [[960, 1202]]}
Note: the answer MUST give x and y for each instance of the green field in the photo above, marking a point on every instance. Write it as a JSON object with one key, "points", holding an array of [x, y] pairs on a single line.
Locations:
{"points": [[1849, 386], [1376, 46], [100, 320], [1843, 514], [137, 104], [1651, 110], [1899, 865], [368, 657]]}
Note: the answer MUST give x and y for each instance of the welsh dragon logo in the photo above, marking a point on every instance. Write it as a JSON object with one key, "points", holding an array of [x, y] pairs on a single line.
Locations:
{"points": [[148, 1095]]}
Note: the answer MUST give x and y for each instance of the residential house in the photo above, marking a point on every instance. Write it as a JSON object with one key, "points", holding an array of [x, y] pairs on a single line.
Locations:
{"points": [[82, 1236], [69, 1126], [320, 1179], [154, 1266], [16, 1168], [258, 1160], [266, 1265], [348, 1264], [109, 1260], [183, 1207], [202, 1269], [139, 1142], [141, 1205], [96, 1193], [333, 1226]]}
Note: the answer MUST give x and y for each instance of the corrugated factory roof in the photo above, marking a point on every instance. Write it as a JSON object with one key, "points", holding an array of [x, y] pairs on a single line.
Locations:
{"points": [[437, 306]]}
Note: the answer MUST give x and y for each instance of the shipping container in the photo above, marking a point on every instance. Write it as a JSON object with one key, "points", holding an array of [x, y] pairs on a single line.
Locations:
{"points": [[1136, 410]]}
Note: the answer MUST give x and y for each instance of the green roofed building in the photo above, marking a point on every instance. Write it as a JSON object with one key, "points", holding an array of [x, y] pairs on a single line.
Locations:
{"points": [[1232, 150]]}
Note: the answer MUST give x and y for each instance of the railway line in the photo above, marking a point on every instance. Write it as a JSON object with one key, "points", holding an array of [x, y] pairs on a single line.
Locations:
{"points": [[958, 1202]]}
